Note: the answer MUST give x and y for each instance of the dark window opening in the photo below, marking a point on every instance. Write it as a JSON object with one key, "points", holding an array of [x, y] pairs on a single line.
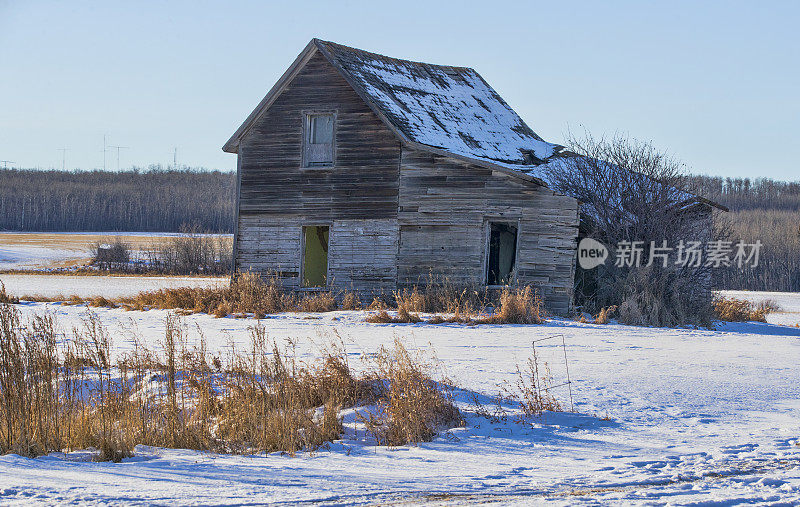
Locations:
{"points": [[502, 253], [315, 256], [318, 145]]}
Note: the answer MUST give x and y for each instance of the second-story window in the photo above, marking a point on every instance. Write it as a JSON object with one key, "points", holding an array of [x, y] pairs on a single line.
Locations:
{"points": [[318, 149]]}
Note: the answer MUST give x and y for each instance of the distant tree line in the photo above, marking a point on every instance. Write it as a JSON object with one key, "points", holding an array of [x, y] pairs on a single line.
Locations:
{"points": [[761, 210], [155, 199]]}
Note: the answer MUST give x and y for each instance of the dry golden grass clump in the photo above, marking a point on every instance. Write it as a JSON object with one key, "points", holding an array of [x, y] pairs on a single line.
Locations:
{"points": [[518, 306], [412, 407], [603, 317], [408, 306], [4, 297], [58, 394], [739, 310], [350, 301], [247, 293]]}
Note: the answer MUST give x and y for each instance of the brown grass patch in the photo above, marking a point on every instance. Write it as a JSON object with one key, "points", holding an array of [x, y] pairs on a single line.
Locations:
{"points": [[604, 317], [739, 310], [58, 395], [412, 407], [5, 298], [517, 306]]}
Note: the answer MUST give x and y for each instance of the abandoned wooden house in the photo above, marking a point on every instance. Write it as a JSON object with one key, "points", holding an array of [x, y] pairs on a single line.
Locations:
{"points": [[363, 172]]}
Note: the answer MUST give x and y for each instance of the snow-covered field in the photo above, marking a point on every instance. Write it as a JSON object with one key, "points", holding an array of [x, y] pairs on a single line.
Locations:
{"points": [[662, 416], [110, 286], [49, 250], [788, 312]]}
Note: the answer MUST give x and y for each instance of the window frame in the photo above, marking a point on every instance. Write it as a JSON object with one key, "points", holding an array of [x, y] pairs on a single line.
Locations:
{"points": [[306, 140], [487, 228]]}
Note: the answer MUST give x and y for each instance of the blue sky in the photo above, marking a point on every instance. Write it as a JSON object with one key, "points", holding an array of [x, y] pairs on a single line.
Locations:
{"points": [[717, 84]]}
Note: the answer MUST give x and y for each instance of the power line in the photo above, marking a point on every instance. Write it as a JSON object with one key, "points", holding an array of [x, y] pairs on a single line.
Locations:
{"points": [[6, 162], [118, 148], [63, 157]]}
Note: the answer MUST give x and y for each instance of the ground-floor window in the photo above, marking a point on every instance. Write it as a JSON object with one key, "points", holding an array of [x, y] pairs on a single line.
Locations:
{"points": [[315, 255], [502, 253]]}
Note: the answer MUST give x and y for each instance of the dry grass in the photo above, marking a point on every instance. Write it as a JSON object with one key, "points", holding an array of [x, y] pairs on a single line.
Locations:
{"points": [[739, 310], [350, 301], [58, 395], [531, 391], [604, 317], [517, 306], [411, 406], [5, 298]]}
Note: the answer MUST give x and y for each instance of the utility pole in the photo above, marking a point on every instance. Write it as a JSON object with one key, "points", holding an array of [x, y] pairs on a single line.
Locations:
{"points": [[104, 152], [63, 158], [175, 158], [118, 148], [5, 163]]}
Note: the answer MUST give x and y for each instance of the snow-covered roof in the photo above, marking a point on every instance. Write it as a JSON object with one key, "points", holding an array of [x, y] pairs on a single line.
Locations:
{"points": [[450, 108]]}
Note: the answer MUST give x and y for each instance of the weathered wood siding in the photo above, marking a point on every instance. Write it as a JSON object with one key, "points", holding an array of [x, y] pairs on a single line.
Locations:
{"points": [[362, 254], [445, 206], [396, 214], [277, 196]]}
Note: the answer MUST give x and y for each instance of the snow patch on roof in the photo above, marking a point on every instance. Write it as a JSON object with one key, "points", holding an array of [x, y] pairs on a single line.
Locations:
{"points": [[451, 108]]}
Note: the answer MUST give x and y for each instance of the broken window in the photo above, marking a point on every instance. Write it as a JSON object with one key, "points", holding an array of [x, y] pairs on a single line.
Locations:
{"points": [[502, 253], [315, 256], [318, 146]]}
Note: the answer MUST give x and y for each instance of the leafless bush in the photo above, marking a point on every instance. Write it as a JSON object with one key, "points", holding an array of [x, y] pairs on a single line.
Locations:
{"points": [[630, 191], [112, 256], [192, 252]]}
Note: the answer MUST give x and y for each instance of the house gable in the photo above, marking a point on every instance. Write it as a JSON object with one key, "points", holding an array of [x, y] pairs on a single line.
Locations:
{"points": [[362, 183]]}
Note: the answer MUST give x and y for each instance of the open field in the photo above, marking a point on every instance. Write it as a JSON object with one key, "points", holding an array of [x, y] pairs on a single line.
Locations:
{"points": [[662, 415], [53, 250], [110, 286]]}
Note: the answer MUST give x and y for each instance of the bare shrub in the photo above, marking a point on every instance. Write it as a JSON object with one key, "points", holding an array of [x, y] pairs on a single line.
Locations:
{"points": [[739, 310], [112, 256], [630, 191], [412, 407]]}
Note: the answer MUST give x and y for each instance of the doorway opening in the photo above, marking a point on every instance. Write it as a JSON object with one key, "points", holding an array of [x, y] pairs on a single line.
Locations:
{"points": [[502, 253], [315, 255]]}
